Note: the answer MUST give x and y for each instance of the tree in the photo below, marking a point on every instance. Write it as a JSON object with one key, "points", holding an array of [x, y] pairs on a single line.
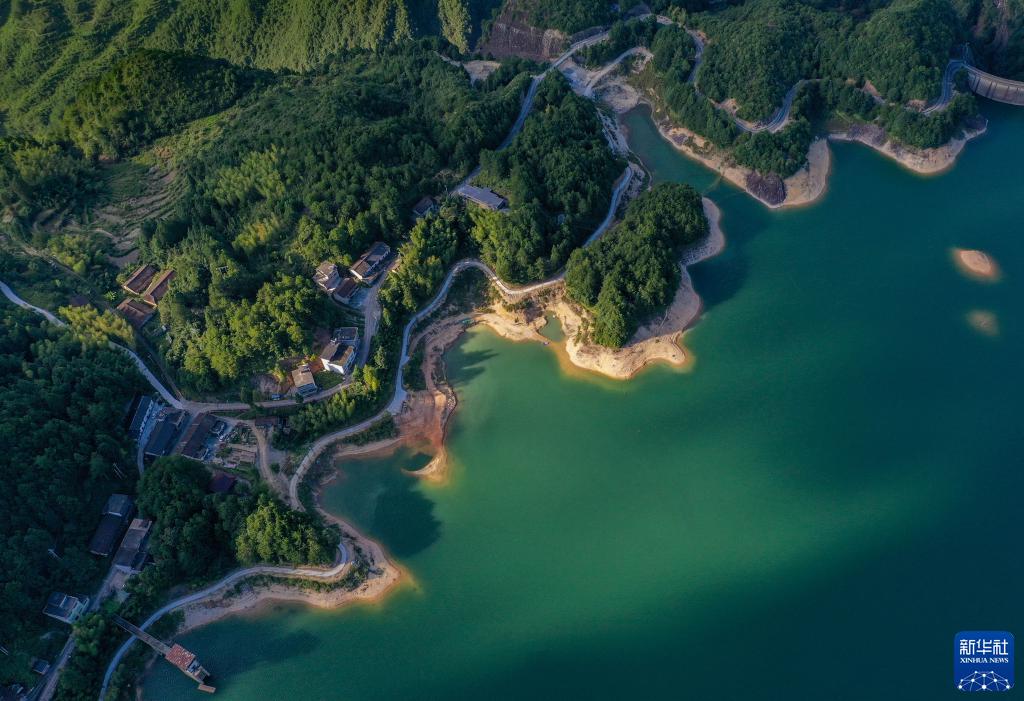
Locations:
{"points": [[274, 533], [454, 18]]}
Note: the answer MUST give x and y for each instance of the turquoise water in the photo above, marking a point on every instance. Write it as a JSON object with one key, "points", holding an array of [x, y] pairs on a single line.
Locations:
{"points": [[812, 512]]}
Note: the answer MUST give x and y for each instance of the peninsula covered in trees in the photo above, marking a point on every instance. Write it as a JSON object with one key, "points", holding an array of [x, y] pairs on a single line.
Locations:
{"points": [[633, 271]]}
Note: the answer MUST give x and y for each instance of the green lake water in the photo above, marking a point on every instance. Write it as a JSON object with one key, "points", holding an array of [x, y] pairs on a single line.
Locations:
{"points": [[811, 512]]}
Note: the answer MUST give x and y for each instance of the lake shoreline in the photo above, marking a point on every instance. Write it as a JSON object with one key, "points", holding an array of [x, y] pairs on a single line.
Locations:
{"points": [[250, 599], [808, 185]]}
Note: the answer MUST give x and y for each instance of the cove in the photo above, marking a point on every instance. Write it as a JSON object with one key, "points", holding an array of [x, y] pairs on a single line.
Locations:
{"points": [[812, 511]]}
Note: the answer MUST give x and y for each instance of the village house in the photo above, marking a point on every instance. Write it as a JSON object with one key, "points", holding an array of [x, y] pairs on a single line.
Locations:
{"points": [[371, 262], [143, 407], [267, 422], [136, 312], [482, 197], [337, 357], [169, 425], [302, 378], [426, 205], [158, 288], [346, 290], [327, 277], [116, 513], [139, 280], [131, 556], [64, 607], [194, 441], [346, 335]]}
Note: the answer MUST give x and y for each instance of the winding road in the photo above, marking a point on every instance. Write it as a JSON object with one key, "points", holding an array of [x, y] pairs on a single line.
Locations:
{"points": [[234, 577], [394, 407]]}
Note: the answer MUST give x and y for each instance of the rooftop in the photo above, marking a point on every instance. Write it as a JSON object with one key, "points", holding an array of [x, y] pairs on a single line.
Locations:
{"points": [[367, 265], [337, 353], [63, 607], [119, 504], [424, 206], [180, 657], [137, 313], [140, 279], [302, 378], [347, 288], [345, 334], [488, 199], [165, 434], [158, 288], [132, 552], [326, 269], [139, 417], [107, 533], [193, 442]]}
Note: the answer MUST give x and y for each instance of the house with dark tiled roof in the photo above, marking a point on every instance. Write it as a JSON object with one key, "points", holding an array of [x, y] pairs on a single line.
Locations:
{"points": [[136, 312], [65, 607], [118, 510], [131, 556], [425, 206], [158, 288], [482, 197], [371, 263], [168, 428], [140, 279]]}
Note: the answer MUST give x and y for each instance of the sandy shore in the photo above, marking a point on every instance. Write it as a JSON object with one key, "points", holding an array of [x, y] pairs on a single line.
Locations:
{"points": [[976, 264], [656, 341], [243, 597], [927, 161], [807, 185]]}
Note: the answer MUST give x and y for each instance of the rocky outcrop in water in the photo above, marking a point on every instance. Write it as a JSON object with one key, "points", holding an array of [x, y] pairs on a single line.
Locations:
{"points": [[768, 188]]}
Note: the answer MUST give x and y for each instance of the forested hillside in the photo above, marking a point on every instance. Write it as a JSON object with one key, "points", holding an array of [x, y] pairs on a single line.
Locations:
{"points": [[759, 49], [149, 94], [997, 36], [62, 408], [312, 169], [49, 49], [557, 174]]}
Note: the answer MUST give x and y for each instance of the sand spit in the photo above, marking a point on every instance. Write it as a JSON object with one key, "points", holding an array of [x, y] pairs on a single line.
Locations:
{"points": [[975, 264], [984, 322]]}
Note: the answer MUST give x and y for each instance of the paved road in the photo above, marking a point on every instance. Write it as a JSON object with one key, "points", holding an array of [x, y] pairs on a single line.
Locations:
{"points": [[185, 404], [948, 87], [588, 89], [394, 407], [229, 580]]}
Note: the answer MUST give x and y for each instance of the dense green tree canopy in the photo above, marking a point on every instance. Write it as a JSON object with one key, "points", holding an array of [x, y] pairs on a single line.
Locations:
{"points": [[633, 270], [148, 94], [757, 51], [903, 48], [557, 174], [312, 169], [62, 412]]}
